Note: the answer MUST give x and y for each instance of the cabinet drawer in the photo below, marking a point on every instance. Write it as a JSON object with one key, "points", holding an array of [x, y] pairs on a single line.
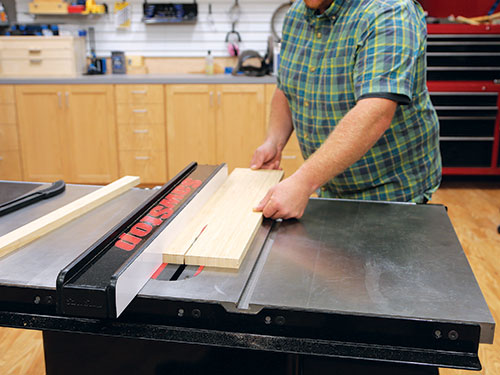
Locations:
{"points": [[39, 43], [290, 162], [139, 94], [7, 94], [293, 144], [10, 166], [37, 66], [141, 137], [36, 53], [8, 138], [7, 114], [149, 165], [140, 114]]}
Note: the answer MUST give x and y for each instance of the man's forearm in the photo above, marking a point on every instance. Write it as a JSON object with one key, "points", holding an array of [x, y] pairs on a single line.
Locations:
{"points": [[280, 121], [358, 131]]}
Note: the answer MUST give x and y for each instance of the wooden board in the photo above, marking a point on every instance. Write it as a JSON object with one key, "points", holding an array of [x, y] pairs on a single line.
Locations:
{"points": [[219, 236], [37, 228]]}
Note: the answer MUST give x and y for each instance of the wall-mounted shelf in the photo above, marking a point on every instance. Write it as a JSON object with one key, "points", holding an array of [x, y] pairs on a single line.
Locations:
{"points": [[159, 20], [169, 13]]}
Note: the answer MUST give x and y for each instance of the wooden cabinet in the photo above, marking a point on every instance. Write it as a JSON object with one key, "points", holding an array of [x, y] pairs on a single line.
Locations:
{"points": [[241, 123], [91, 133], [140, 112], [214, 124], [67, 132], [291, 157], [190, 126], [10, 163]]}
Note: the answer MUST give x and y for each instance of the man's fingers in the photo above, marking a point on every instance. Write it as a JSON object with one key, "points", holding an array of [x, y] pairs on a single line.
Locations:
{"points": [[264, 201], [270, 210], [257, 160]]}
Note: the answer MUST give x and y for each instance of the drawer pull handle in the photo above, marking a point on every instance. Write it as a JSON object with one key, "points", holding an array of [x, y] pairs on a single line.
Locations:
{"points": [[289, 157], [139, 110], [142, 158], [138, 92], [35, 61], [34, 50], [1, 158], [141, 131], [471, 139]]}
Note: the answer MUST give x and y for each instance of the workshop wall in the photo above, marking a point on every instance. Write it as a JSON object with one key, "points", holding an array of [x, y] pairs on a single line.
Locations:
{"points": [[172, 40]]}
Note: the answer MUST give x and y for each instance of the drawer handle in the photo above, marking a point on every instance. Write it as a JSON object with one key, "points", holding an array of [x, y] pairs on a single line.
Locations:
{"points": [[35, 61], [472, 139], [34, 50], [289, 157], [1, 158], [139, 110], [138, 92], [142, 158], [141, 131]]}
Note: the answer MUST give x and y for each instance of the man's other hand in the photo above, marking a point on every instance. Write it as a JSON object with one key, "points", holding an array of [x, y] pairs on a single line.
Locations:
{"points": [[286, 200], [267, 156]]}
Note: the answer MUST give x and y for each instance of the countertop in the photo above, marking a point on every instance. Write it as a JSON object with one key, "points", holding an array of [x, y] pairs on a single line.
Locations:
{"points": [[140, 79]]}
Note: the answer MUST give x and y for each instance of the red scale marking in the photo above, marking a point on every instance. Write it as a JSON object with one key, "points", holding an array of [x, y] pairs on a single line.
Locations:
{"points": [[159, 271]]}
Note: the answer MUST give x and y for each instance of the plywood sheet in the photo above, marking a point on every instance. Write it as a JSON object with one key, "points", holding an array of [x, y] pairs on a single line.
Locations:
{"points": [[219, 236]]}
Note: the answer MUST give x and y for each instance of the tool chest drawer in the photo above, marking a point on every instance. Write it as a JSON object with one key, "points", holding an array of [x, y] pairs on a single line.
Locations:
{"points": [[139, 94], [7, 94], [462, 57], [140, 114], [466, 152], [151, 166], [467, 127], [10, 165], [463, 114], [8, 137], [141, 137], [42, 56]]}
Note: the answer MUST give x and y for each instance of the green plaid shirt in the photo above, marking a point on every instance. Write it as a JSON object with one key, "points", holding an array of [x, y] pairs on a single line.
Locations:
{"points": [[359, 49]]}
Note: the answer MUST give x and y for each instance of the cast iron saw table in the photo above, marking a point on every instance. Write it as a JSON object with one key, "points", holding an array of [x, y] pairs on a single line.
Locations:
{"points": [[352, 287]]}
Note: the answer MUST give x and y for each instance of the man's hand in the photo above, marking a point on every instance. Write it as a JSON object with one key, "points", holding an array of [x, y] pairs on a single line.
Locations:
{"points": [[267, 156], [286, 200]]}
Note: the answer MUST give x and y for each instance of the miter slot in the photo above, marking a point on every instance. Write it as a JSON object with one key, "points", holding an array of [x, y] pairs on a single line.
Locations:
{"points": [[246, 295]]}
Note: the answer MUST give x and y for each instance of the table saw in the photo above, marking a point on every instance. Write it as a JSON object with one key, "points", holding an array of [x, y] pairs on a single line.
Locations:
{"points": [[353, 287]]}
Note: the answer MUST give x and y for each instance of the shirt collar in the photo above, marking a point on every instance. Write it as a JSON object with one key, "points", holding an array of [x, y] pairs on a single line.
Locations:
{"points": [[330, 13]]}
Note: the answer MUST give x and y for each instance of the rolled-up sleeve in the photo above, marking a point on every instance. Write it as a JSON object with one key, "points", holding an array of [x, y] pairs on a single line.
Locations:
{"points": [[386, 61]]}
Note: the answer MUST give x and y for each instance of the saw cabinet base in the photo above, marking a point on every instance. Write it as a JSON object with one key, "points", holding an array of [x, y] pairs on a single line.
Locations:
{"points": [[127, 356]]}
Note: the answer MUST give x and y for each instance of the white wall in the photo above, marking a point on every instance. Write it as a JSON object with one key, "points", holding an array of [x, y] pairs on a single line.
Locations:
{"points": [[188, 40]]}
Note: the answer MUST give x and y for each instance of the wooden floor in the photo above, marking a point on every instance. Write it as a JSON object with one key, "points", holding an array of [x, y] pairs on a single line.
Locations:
{"points": [[474, 209]]}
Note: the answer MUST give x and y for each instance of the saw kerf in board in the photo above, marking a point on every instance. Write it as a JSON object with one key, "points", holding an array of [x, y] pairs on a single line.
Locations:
{"points": [[221, 233]]}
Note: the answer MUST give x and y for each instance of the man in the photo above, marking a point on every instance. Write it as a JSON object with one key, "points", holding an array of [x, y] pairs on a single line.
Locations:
{"points": [[352, 83]]}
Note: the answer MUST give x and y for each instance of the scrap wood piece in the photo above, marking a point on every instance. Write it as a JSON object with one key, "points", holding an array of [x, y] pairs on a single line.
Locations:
{"points": [[55, 219], [219, 236]]}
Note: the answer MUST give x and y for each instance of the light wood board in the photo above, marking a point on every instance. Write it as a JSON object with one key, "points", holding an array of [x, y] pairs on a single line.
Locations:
{"points": [[37, 228], [219, 236]]}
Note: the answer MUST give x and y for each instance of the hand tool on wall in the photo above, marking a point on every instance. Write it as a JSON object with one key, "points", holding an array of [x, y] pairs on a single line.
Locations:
{"points": [[233, 38]]}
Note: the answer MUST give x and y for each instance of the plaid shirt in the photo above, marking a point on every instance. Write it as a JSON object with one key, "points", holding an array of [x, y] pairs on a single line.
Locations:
{"points": [[359, 49]]}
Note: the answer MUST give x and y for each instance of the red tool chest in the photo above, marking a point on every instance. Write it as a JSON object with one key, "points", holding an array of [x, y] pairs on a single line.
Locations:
{"points": [[464, 83]]}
